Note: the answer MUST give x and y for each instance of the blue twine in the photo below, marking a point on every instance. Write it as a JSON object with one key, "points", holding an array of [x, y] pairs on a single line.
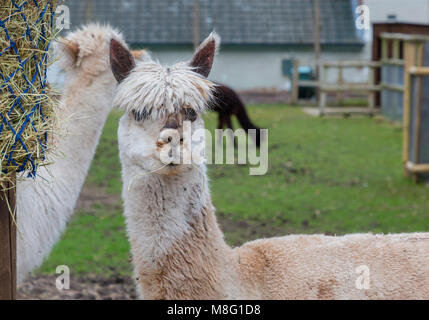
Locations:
{"points": [[40, 73]]}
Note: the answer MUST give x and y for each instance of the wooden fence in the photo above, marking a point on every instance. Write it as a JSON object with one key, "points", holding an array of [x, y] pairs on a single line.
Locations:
{"points": [[340, 87], [416, 123], [399, 52], [404, 89]]}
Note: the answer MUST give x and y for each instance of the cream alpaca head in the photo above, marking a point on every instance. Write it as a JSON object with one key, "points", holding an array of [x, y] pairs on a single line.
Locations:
{"points": [[159, 103], [84, 54]]}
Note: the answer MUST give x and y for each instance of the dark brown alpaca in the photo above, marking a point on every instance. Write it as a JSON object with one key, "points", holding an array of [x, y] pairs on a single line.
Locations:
{"points": [[228, 103]]}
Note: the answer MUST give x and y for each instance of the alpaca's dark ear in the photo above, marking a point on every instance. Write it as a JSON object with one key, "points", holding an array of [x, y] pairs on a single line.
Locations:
{"points": [[204, 55], [121, 60]]}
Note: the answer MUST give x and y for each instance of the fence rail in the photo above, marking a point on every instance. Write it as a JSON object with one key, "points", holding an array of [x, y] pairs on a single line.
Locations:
{"points": [[369, 88], [340, 87]]}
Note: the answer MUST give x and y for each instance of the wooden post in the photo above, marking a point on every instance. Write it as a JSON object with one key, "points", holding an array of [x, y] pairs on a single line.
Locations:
{"points": [[340, 82], [416, 133], [196, 24], [88, 12], [384, 49], [323, 94], [295, 82], [371, 94], [413, 56], [317, 43], [8, 242], [395, 49]]}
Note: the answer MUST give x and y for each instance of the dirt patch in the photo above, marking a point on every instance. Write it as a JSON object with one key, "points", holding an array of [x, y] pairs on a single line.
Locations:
{"points": [[239, 231], [91, 195], [91, 287]]}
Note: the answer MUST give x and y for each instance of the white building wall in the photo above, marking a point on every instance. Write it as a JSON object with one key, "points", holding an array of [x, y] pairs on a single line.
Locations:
{"points": [[247, 69], [259, 69], [410, 11]]}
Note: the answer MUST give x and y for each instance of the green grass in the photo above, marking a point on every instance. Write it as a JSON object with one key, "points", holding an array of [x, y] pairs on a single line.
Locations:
{"points": [[331, 176], [95, 242], [105, 170]]}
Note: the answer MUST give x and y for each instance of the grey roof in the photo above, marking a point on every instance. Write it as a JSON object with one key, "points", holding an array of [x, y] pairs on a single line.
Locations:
{"points": [[276, 22]]}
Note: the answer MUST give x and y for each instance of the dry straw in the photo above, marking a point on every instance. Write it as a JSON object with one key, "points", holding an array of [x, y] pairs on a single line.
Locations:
{"points": [[27, 111]]}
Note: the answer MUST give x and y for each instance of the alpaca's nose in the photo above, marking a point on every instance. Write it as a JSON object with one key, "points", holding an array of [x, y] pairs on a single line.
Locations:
{"points": [[169, 135], [170, 132]]}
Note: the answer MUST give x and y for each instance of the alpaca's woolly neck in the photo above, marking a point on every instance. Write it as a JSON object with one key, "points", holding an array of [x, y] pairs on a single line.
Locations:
{"points": [[178, 249], [46, 203]]}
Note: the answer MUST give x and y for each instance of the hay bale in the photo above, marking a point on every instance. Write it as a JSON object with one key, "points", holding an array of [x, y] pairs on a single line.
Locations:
{"points": [[26, 109]]}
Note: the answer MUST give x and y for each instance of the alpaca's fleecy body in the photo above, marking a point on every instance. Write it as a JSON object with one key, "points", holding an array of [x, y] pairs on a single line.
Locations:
{"points": [[324, 267], [45, 204], [177, 247], [179, 253]]}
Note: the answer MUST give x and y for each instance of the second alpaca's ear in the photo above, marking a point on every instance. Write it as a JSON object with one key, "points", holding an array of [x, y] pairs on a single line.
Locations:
{"points": [[204, 55], [68, 51], [121, 60]]}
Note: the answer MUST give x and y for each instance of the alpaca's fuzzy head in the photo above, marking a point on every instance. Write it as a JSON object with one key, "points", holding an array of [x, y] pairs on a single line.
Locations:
{"points": [[150, 88], [159, 102], [87, 49]]}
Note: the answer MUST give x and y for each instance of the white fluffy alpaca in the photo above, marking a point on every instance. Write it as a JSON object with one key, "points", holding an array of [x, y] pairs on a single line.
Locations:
{"points": [[46, 203], [178, 249]]}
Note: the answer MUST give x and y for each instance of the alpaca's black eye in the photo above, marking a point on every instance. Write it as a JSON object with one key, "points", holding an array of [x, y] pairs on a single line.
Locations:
{"points": [[140, 115], [190, 114]]}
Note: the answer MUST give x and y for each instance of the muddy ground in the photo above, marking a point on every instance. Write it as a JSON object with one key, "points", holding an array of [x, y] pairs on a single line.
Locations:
{"points": [[92, 287]]}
